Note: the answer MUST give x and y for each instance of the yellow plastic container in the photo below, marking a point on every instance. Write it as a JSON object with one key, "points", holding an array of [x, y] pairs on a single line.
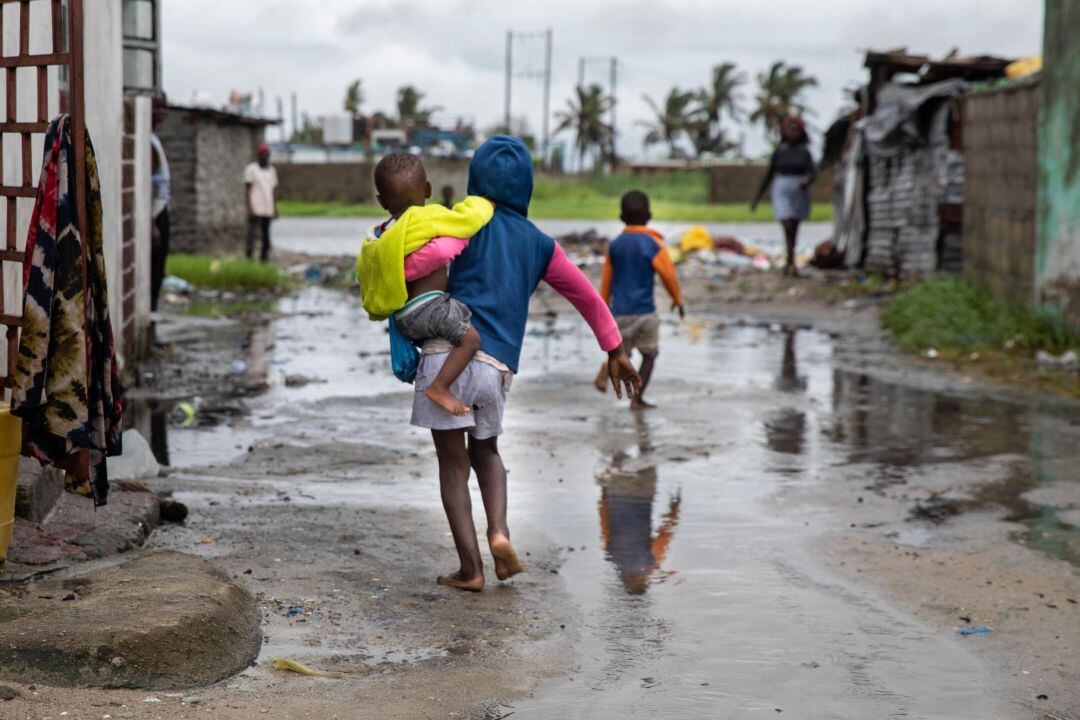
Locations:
{"points": [[10, 440]]}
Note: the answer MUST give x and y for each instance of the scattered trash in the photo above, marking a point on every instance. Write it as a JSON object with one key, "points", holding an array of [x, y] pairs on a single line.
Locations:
{"points": [[8, 693], [176, 285], [191, 700], [151, 699], [239, 367], [69, 597], [1042, 696], [696, 238], [931, 353], [301, 669], [298, 380], [974, 631], [187, 414], [207, 541], [1067, 360]]}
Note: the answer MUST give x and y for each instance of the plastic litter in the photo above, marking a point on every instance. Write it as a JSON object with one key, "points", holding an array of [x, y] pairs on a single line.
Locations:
{"points": [[696, 238], [301, 669], [239, 367], [187, 414], [974, 631], [177, 285]]}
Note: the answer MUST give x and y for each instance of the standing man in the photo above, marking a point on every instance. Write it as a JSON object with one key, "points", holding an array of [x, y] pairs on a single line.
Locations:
{"points": [[260, 181], [161, 205], [633, 261]]}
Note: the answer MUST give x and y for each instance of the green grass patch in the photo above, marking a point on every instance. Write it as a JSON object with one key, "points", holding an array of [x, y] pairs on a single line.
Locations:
{"points": [[585, 207], [230, 308], [207, 271], [950, 313]]}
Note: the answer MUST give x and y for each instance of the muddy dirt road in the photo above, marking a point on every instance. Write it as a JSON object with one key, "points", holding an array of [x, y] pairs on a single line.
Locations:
{"points": [[787, 535]]}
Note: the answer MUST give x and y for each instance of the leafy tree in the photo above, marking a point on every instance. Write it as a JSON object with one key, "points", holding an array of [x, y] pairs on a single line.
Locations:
{"points": [[410, 114], [354, 97], [780, 94], [584, 114], [671, 121]]}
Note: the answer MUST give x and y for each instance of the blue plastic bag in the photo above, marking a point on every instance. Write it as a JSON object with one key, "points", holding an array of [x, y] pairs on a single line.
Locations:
{"points": [[404, 357]]}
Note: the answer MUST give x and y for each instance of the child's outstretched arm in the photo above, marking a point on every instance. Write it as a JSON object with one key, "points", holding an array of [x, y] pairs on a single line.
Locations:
{"points": [[666, 270]]}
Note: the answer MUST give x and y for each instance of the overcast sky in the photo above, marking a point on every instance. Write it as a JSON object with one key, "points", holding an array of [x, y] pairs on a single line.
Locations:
{"points": [[454, 50]]}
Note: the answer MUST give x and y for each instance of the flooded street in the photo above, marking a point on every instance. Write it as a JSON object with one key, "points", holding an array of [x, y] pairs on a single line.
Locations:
{"points": [[675, 558]]}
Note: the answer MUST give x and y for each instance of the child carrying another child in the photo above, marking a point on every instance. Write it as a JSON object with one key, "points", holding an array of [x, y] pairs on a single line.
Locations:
{"points": [[633, 260], [395, 273]]}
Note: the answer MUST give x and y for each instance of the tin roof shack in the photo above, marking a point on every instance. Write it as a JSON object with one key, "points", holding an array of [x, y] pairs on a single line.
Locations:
{"points": [[913, 171], [208, 150]]}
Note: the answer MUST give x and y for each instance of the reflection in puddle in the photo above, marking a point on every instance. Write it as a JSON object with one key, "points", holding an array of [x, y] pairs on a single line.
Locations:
{"points": [[626, 510]]}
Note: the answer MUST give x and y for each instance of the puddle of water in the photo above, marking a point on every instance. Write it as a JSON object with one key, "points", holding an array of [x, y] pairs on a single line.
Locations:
{"points": [[695, 594], [342, 236]]}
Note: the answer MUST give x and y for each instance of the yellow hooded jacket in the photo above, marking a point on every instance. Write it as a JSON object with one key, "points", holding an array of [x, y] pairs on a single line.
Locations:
{"points": [[380, 268]]}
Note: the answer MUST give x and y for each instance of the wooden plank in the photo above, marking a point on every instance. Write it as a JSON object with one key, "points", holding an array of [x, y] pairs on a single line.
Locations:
{"points": [[24, 127], [11, 88], [15, 256], [27, 191], [12, 243], [11, 320], [24, 28], [42, 95], [58, 26], [35, 60], [27, 163]]}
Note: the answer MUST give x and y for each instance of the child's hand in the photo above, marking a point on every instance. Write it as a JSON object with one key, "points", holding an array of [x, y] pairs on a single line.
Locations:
{"points": [[676, 307], [623, 374]]}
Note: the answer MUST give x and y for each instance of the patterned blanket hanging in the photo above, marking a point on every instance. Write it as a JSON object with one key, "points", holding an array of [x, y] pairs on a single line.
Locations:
{"points": [[67, 387]]}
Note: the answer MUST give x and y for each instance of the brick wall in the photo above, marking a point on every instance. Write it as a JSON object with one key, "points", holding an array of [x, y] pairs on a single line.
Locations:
{"points": [[1001, 164], [207, 157], [129, 332]]}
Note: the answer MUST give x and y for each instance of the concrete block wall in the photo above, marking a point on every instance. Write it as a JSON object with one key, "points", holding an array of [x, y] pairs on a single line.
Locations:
{"points": [[353, 182], [739, 184], [1001, 166]]}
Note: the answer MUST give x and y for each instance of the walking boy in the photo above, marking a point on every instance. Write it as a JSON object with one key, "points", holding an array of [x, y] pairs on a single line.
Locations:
{"points": [[260, 181], [633, 259]]}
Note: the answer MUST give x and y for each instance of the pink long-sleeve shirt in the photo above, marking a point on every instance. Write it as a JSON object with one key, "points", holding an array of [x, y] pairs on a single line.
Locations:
{"points": [[562, 275]]}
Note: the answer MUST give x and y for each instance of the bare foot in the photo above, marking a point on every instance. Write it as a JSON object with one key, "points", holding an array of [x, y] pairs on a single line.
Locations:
{"points": [[456, 581], [639, 404], [507, 564], [446, 400]]}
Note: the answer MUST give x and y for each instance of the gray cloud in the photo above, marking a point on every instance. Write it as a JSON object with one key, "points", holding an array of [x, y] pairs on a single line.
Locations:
{"points": [[453, 49]]}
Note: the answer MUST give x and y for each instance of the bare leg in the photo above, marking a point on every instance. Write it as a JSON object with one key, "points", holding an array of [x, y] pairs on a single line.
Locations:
{"points": [[454, 484], [456, 362], [491, 475], [645, 371], [791, 233]]}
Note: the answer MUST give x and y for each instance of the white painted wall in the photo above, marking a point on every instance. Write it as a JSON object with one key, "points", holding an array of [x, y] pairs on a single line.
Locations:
{"points": [[103, 91], [142, 219]]}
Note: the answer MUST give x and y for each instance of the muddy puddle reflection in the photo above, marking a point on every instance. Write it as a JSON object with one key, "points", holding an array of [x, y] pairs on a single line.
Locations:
{"points": [[694, 591]]}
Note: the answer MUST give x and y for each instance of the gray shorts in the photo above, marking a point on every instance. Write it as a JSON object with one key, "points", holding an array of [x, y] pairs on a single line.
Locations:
{"points": [[640, 331], [481, 386], [433, 315]]}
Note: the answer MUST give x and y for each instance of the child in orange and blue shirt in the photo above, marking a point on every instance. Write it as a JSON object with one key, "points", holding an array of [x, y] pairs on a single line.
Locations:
{"points": [[633, 260]]}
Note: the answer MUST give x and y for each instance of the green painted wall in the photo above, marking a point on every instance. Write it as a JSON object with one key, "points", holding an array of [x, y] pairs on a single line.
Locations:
{"points": [[1057, 253]]}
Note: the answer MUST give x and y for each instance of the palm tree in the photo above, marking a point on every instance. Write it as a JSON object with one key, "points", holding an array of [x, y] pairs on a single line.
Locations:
{"points": [[671, 121], [410, 114], [584, 114], [719, 98], [780, 95], [354, 98]]}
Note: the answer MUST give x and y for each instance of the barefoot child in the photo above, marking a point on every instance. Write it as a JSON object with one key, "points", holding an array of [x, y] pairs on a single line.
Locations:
{"points": [[495, 277], [633, 259], [402, 268]]}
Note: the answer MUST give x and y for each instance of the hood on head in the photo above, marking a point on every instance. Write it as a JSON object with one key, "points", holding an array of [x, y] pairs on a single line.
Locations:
{"points": [[501, 170]]}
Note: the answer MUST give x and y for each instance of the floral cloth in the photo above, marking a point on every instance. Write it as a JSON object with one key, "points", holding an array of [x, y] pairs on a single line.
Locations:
{"points": [[67, 387]]}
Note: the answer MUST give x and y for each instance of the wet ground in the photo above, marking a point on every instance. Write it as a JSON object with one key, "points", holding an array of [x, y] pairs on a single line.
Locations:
{"points": [[340, 236], [703, 559]]}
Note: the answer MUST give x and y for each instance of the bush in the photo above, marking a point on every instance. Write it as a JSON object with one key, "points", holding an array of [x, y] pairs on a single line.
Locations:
{"points": [[207, 271], [948, 312]]}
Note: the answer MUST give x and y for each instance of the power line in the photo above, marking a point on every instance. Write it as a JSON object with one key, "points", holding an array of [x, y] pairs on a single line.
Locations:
{"points": [[528, 41]]}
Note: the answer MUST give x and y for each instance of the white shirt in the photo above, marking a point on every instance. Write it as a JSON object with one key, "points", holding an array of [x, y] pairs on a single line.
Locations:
{"points": [[262, 181]]}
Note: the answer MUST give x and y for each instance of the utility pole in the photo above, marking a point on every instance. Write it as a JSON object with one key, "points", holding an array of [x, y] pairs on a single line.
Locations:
{"points": [[295, 123], [547, 97], [614, 103], [509, 76]]}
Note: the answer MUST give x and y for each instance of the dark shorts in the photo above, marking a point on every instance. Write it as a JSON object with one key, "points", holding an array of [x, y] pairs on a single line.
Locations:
{"points": [[434, 315]]}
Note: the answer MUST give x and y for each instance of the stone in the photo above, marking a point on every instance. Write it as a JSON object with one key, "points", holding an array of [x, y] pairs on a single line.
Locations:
{"points": [[174, 621]]}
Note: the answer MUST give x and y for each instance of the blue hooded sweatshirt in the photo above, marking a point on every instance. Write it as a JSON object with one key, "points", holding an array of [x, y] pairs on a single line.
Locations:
{"points": [[499, 270]]}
